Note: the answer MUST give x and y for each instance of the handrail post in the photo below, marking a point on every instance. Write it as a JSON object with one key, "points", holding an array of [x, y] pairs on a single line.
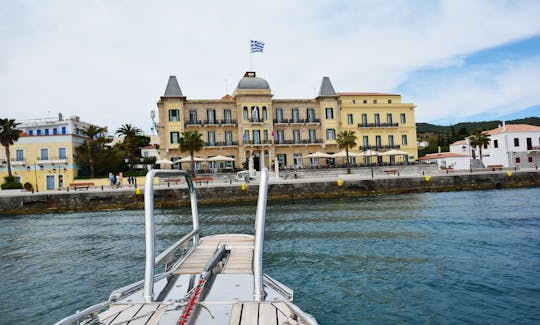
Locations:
{"points": [[149, 236], [149, 271], [259, 237]]}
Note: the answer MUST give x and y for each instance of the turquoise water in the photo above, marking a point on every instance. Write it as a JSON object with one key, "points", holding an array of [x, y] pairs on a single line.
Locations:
{"points": [[461, 257]]}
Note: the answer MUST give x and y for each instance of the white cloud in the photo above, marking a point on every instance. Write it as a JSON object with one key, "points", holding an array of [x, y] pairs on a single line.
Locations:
{"points": [[495, 89], [108, 62]]}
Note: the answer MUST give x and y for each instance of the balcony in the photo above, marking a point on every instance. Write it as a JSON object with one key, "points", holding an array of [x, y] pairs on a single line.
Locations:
{"points": [[193, 123], [218, 122], [49, 160], [297, 142], [260, 142], [255, 121], [375, 147], [285, 121], [378, 125], [228, 122], [222, 144], [210, 122]]}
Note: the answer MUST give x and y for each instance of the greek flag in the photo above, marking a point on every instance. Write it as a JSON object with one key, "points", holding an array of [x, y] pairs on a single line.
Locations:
{"points": [[256, 46]]}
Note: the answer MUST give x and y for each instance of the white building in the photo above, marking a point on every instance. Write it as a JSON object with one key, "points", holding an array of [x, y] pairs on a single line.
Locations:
{"points": [[448, 160], [513, 145]]}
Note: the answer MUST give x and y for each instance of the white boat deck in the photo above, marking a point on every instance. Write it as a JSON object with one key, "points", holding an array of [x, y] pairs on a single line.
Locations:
{"points": [[229, 299]]}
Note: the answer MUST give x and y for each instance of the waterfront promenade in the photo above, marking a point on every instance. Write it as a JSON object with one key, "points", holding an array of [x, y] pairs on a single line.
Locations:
{"points": [[290, 185]]}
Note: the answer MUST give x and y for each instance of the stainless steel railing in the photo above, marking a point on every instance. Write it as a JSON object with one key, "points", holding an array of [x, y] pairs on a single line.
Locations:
{"points": [[258, 292], [151, 260]]}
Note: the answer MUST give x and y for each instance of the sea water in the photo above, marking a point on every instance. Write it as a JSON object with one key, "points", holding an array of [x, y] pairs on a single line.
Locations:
{"points": [[458, 257]]}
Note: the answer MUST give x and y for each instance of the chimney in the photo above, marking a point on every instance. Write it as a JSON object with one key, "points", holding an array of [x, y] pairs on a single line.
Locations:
{"points": [[504, 126], [439, 148]]}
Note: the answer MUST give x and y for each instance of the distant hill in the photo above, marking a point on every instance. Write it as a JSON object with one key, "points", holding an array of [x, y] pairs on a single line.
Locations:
{"points": [[470, 127]]}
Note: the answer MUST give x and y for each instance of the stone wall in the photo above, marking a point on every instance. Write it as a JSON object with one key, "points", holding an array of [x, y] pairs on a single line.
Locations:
{"points": [[170, 197]]}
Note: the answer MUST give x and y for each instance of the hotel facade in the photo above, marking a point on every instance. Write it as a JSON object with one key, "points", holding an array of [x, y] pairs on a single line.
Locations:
{"points": [[44, 154], [252, 124]]}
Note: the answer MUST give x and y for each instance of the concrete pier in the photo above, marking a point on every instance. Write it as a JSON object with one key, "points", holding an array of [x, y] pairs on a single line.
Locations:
{"points": [[225, 191]]}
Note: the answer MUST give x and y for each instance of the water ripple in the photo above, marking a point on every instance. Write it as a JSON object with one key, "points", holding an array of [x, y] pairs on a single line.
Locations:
{"points": [[463, 257]]}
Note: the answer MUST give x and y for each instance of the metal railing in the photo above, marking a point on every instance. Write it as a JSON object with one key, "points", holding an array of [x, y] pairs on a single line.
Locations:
{"points": [[260, 216], [151, 260], [378, 125]]}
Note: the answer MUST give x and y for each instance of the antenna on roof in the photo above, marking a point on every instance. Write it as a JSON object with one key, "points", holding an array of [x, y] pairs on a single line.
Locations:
{"points": [[154, 123]]}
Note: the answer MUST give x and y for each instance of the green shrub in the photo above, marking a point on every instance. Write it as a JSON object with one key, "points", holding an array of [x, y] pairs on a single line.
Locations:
{"points": [[11, 184]]}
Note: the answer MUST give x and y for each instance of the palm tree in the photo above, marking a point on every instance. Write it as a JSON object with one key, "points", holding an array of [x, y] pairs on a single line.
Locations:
{"points": [[191, 141], [129, 132], [479, 138], [8, 135], [93, 132], [346, 140]]}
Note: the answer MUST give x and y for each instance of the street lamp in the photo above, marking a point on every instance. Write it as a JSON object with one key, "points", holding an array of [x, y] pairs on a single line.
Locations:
{"points": [[35, 174]]}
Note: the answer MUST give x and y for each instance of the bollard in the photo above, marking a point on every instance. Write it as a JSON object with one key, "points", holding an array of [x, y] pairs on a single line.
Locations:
{"points": [[339, 183], [243, 187]]}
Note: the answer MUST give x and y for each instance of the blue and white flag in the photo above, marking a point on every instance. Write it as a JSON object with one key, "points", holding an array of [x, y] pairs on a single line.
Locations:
{"points": [[256, 46]]}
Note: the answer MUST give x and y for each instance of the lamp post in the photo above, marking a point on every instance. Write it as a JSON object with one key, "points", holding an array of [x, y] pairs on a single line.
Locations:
{"points": [[35, 174]]}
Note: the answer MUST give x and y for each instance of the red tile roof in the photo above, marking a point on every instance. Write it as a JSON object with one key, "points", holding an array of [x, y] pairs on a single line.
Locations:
{"points": [[441, 155], [515, 128]]}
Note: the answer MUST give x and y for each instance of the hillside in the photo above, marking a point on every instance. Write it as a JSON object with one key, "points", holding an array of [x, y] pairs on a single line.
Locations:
{"points": [[470, 127]]}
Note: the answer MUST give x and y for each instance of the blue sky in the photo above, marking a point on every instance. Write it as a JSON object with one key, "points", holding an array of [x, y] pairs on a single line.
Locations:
{"points": [[108, 61]]}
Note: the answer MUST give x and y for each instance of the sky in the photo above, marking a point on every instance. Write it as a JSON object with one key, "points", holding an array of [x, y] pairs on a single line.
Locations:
{"points": [[108, 62]]}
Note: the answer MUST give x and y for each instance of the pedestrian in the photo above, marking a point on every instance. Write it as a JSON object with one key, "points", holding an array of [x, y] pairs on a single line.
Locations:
{"points": [[119, 180], [111, 179]]}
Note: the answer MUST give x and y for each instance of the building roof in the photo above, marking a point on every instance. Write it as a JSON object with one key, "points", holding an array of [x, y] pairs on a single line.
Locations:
{"points": [[514, 128], [326, 90], [366, 94], [251, 81], [173, 88], [441, 155], [459, 142]]}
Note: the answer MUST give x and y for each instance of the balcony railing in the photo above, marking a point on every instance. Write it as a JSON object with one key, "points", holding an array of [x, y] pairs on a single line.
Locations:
{"points": [[297, 142], [228, 122], [222, 144], [376, 147], [378, 125], [40, 160], [193, 123], [260, 142], [297, 121]]}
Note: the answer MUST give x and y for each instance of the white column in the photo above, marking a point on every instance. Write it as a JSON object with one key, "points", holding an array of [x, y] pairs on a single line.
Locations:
{"points": [[262, 159]]}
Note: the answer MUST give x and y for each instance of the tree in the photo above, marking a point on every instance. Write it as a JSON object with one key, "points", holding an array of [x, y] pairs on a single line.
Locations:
{"points": [[8, 135], [192, 142], [129, 132], [479, 138], [93, 133], [346, 140]]}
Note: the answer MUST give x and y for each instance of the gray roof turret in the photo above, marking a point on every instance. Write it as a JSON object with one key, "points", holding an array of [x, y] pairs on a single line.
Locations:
{"points": [[326, 90], [173, 88]]}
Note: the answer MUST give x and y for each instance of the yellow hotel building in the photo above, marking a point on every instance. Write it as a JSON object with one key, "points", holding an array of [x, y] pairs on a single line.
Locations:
{"points": [[251, 124], [43, 155]]}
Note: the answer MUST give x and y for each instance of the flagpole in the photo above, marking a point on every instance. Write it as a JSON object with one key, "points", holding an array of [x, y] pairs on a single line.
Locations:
{"points": [[250, 61]]}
